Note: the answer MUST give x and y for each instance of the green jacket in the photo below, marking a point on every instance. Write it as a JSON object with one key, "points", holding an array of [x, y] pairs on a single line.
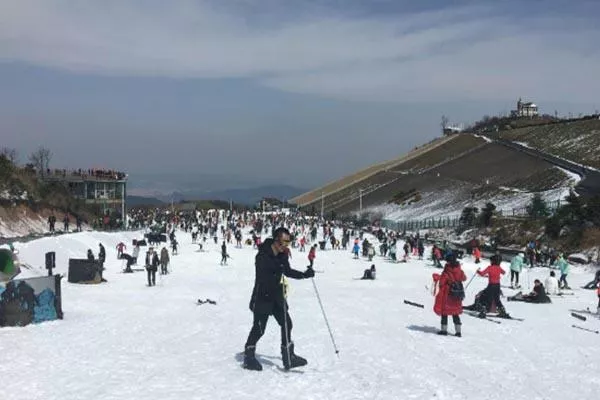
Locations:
{"points": [[516, 263], [563, 265]]}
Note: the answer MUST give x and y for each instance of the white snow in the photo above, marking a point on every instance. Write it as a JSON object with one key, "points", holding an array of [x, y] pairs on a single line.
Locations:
{"points": [[123, 340], [26, 225], [487, 139]]}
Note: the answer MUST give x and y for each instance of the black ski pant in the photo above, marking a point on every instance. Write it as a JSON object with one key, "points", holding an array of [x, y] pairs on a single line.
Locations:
{"points": [[513, 275], [455, 319], [260, 323], [493, 295], [151, 276]]}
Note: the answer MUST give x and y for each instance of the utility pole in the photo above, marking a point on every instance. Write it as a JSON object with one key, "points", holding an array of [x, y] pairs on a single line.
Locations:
{"points": [[322, 204], [360, 200]]}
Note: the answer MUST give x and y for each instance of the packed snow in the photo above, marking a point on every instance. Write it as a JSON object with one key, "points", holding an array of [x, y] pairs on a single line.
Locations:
{"points": [[124, 340]]}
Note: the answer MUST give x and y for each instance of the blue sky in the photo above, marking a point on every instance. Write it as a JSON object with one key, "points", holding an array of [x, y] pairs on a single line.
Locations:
{"points": [[300, 92]]}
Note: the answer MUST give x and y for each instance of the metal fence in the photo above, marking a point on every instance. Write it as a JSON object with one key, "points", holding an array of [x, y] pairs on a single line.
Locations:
{"points": [[453, 221]]}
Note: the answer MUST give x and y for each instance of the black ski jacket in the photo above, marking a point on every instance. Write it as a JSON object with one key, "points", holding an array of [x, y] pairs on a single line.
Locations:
{"points": [[268, 290]]}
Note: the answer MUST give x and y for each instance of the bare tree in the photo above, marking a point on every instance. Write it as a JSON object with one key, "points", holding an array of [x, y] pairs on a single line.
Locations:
{"points": [[11, 154], [41, 159], [444, 123]]}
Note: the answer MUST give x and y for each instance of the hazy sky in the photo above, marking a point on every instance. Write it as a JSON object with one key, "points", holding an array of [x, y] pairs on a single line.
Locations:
{"points": [[300, 91]]}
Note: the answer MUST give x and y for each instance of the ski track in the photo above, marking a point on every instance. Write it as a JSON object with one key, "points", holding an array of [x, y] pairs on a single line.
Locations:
{"points": [[123, 340]]}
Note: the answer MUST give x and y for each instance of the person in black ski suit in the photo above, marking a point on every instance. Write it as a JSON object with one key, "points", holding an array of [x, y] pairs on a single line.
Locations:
{"points": [[268, 298], [152, 262], [101, 259], [224, 254]]}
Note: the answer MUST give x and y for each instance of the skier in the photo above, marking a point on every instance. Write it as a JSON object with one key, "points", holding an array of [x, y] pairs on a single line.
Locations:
{"points": [[369, 273], [90, 255], [66, 223], [312, 254], [51, 222], [538, 295], [268, 298], [101, 259], [152, 263], [371, 252], [174, 246], [516, 265], [164, 261], [551, 284], [448, 301], [356, 249], [494, 273], [135, 254], [120, 248], [598, 293], [477, 255], [564, 267], [224, 254]]}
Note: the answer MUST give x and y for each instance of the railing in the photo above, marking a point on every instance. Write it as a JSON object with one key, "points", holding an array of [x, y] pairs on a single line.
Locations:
{"points": [[454, 221]]}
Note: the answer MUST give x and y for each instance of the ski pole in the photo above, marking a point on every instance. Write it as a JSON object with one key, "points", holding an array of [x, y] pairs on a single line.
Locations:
{"points": [[337, 352], [585, 329], [410, 303], [470, 280]]}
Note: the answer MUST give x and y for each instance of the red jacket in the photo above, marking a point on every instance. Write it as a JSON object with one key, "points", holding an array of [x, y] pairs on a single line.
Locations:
{"points": [[312, 254], [444, 303], [493, 272]]}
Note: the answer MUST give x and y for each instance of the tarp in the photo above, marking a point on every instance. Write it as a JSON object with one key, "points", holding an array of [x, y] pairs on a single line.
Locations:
{"points": [[8, 268], [32, 300], [84, 271]]}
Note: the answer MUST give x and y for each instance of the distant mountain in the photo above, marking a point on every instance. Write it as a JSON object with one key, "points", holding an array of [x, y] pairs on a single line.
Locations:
{"points": [[133, 201], [249, 196]]}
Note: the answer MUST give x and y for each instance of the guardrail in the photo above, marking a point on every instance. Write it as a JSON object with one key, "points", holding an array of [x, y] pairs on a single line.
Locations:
{"points": [[453, 221]]}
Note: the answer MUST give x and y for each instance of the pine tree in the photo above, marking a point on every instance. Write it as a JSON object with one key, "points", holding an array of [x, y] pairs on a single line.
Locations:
{"points": [[538, 208]]}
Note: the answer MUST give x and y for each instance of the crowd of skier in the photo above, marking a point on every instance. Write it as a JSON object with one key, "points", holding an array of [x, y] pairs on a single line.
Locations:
{"points": [[276, 235]]}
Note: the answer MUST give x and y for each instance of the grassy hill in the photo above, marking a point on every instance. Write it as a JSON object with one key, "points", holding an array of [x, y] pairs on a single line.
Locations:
{"points": [[576, 141]]}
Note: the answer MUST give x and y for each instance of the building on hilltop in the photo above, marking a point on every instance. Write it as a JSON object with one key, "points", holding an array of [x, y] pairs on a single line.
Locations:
{"points": [[105, 188], [525, 109]]}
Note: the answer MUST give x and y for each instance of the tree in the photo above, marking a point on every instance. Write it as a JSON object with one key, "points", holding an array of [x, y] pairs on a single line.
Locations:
{"points": [[468, 216], [10, 154], [487, 213], [538, 207], [41, 159], [444, 123]]}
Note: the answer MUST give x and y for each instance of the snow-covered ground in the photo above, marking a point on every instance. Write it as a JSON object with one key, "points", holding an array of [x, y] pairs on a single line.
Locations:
{"points": [[124, 340], [23, 226]]}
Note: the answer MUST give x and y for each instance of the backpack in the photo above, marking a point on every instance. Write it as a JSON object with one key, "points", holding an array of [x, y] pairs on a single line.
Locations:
{"points": [[457, 290]]}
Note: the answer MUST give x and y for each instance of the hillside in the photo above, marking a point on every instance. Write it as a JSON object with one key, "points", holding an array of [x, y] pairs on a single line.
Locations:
{"points": [[468, 168], [577, 141], [26, 202]]}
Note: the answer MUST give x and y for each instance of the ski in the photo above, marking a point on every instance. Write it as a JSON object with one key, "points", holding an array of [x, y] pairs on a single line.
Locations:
{"points": [[585, 329], [578, 316], [410, 303], [209, 301], [512, 318], [476, 315]]}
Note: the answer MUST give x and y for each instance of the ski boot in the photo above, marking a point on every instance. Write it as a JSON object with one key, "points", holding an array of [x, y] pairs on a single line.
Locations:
{"points": [[250, 361], [291, 360], [457, 330], [502, 313], [444, 331]]}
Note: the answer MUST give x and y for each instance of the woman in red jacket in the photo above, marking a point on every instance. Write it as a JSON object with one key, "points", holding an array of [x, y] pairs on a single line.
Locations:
{"points": [[445, 303], [494, 273]]}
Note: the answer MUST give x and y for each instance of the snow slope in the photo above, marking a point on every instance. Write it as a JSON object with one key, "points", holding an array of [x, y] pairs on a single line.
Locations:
{"points": [[123, 340]]}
